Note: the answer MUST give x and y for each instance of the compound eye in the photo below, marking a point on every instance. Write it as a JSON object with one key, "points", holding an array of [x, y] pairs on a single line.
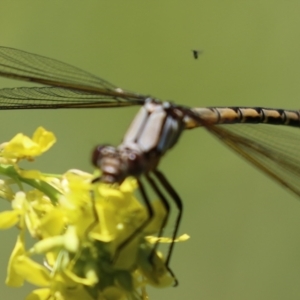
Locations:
{"points": [[98, 153]]}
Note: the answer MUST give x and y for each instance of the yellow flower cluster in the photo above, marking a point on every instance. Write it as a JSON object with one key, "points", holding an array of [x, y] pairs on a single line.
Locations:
{"points": [[86, 233]]}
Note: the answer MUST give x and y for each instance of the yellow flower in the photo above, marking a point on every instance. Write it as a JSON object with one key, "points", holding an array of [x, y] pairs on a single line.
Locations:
{"points": [[23, 147], [89, 234]]}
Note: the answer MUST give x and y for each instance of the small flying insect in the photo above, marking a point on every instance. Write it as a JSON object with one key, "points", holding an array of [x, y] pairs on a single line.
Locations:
{"points": [[196, 53]]}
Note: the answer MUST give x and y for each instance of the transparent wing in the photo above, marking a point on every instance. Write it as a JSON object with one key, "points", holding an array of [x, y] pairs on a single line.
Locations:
{"points": [[71, 87], [273, 149], [55, 97]]}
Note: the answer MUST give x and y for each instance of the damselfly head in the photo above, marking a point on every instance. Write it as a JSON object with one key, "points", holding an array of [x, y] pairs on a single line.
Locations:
{"points": [[118, 163], [107, 159]]}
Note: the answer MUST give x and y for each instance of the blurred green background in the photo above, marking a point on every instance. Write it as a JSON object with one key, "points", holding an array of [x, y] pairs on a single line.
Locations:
{"points": [[244, 228]]}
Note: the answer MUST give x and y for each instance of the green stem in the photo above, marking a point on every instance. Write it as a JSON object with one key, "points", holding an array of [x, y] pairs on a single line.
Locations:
{"points": [[46, 188]]}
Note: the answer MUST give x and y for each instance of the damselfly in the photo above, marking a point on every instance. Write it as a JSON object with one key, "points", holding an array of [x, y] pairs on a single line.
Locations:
{"points": [[156, 128]]}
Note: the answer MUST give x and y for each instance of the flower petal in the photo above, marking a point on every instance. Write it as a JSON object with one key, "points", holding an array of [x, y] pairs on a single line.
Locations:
{"points": [[21, 146], [32, 271], [45, 139], [39, 294], [9, 218], [13, 279], [166, 240]]}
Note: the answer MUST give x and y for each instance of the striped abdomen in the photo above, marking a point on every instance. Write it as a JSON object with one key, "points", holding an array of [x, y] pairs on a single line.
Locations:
{"points": [[252, 115]]}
